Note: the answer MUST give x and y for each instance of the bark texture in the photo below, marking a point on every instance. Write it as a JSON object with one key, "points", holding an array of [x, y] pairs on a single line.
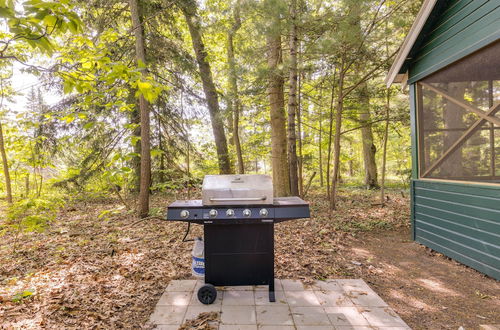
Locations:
{"points": [[5, 164], [336, 143], [234, 101], [292, 103], [189, 10], [369, 149], [145, 180], [281, 179], [135, 118]]}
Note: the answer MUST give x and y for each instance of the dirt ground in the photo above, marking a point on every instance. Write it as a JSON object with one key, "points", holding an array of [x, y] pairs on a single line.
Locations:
{"points": [[93, 271], [427, 289]]}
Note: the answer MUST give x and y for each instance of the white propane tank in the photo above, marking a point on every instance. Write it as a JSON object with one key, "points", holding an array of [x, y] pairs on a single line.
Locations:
{"points": [[198, 254]]}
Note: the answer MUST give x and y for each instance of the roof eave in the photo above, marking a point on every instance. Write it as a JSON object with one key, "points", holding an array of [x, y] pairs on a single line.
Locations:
{"points": [[408, 43]]}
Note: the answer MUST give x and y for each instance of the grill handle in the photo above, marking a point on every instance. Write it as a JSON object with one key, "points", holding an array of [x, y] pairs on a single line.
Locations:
{"points": [[238, 199]]}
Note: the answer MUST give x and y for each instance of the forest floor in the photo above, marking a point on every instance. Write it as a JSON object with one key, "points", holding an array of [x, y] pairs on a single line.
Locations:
{"points": [[97, 266]]}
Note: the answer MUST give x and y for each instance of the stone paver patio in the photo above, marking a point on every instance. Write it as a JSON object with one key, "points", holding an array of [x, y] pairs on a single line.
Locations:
{"points": [[332, 304]]}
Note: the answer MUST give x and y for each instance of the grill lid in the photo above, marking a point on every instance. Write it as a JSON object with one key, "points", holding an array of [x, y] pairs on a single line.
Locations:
{"points": [[239, 189]]}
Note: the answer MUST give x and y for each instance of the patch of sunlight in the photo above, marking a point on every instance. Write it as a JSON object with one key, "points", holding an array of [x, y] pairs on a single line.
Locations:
{"points": [[129, 258], [31, 323], [437, 286], [362, 252], [412, 301]]}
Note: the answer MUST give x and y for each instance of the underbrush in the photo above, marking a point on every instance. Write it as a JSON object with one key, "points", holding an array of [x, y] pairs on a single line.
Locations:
{"points": [[32, 213]]}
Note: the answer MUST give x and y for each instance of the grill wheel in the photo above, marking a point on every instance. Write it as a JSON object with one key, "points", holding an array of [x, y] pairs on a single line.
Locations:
{"points": [[207, 294]]}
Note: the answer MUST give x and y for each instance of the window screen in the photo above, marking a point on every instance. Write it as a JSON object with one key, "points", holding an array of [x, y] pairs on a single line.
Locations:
{"points": [[459, 119]]}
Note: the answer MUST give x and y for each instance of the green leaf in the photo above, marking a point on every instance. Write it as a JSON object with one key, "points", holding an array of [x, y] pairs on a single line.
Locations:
{"points": [[67, 86], [156, 152], [50, 20], [89, 125], [134, 139], [73, 26]]}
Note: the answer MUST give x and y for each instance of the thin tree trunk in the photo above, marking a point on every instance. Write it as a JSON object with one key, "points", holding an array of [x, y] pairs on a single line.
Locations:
{"points": [[135, 119], [234, 100], [336, 144], [5, 164], [189, 10], [330, 135], [299, 136], [161, 176], [292, 103], [369, 148], [384, 147], [281, 178], [27, 185], [320, 150], [145, 181]]}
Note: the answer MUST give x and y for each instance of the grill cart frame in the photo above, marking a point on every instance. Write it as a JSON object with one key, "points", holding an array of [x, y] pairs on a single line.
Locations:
{"points": [[238, 240]]}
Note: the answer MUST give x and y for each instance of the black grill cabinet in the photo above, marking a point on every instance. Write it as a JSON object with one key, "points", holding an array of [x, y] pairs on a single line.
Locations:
{"points": [[238, 237]]}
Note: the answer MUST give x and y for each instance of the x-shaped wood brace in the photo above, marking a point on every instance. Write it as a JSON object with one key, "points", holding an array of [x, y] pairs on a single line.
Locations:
{"points": [[484, 117]]}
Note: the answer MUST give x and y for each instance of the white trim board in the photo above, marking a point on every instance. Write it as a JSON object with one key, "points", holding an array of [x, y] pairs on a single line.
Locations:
{"points": [[393, 75]]}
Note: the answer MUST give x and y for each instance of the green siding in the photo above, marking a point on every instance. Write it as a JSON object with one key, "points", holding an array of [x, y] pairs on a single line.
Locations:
{"points": [[464, 27], [459, 220]]}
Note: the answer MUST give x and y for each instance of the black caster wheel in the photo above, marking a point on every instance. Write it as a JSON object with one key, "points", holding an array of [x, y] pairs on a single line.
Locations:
{"points": [[207, 294]]}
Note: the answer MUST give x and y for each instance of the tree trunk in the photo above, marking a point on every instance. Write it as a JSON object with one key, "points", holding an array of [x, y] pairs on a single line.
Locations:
{"points": [[299, 137], [135, 118], [330, 138], [384, 148], [234, 99], [5, 164], [161, 175], [281, 178], [336, 144], [145, 180], [320, 150], [369, 149], [292, 103], [189, 10]]}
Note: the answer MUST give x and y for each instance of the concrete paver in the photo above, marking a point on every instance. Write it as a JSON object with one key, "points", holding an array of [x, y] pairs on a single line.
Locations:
{"points": [[302, 298], [335, 304], [181, 285], [175, 298], [274, 315], [239, 315], [382, 316], [262, 298], [294, 285], [350, 316], [309, 316], [238, 298], [333, 299]]}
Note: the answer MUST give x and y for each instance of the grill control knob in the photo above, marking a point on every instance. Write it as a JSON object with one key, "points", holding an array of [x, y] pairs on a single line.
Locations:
{"points": [[212, 213], [230, 212], [263, 212], [247, 213], [184, 214]]}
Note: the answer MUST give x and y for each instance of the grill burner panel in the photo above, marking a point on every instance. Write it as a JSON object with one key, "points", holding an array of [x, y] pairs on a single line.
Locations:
{"points": [[283, 208], [238, 213]]}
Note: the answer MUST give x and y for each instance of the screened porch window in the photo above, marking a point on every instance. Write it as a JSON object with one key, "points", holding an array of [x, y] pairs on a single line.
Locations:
{"points": [[459, 119]]}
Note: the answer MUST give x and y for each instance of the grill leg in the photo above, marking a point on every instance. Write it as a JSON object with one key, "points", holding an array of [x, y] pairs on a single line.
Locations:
{"points": [[272, 298]]}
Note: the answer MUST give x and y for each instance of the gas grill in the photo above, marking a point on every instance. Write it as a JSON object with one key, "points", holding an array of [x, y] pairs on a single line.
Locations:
{"points": [[238, 213]]}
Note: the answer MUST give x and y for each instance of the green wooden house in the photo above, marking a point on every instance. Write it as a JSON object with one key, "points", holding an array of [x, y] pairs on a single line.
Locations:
{"points": [[450, 61]]}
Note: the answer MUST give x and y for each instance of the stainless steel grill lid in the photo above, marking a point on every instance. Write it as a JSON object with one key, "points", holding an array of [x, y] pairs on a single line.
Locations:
{"points": [[239, 189]]}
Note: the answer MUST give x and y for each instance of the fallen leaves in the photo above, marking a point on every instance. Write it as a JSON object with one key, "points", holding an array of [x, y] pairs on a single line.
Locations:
{"points": [[89, 273]]}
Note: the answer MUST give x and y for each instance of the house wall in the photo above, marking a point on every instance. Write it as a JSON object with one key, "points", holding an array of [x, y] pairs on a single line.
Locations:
{"points": [[459, 220], [464, 27]]}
